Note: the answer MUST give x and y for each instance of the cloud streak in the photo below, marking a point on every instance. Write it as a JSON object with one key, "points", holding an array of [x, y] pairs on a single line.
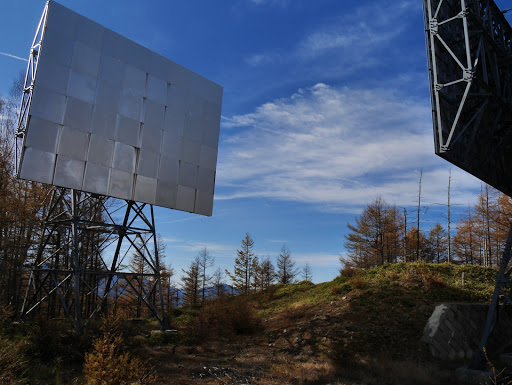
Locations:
{"points": [[13, 56], [353, 38], [336, 148]]}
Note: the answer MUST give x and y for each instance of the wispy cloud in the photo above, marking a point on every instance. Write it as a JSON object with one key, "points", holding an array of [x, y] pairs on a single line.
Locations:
{"points": [[353, 37], [279, 3], [337, 148], [13, 56], [317, 259], [257, 60], [193, 246]]}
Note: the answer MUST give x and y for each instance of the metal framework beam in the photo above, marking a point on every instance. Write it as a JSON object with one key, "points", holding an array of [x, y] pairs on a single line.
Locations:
{"points": [[70, 274]]}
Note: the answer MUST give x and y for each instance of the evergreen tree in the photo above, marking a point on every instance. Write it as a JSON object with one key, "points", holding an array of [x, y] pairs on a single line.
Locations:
{"points": [[218, 283], [245, 264], [437, 244], [265, 274], [375, 238], [191, 284], [465, 240], [307, 273], [286, 271], [205, 260]]}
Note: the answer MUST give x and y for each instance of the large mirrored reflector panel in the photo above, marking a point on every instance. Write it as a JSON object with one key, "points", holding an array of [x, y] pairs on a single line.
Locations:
{"points": [[469, 52], [109, 116]]}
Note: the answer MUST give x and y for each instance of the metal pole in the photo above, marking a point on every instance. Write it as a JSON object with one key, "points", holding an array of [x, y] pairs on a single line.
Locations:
{"points": [[164, 324], [478, 360], [77, 270]]}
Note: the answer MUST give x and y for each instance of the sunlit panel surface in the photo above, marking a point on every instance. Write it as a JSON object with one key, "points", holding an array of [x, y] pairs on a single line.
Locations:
{"points": [[111, 117]]}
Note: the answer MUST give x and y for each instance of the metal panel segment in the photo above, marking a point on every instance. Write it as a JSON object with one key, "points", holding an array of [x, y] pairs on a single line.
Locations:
{"points": [[101, 150], [96, 178], [38, 165], [148, 164], [121, 184], [121, 117], [69, 172], [53, 77], [85, 60], [73, 143], [48, 105], [145, 189], [185, 198], [46, 137], [78, 114]]}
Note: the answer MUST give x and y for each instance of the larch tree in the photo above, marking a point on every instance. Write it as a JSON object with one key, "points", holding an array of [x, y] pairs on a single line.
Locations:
{"points": [[265, 274], [437, 244], [286, 270], [218, 282], [375, 238], [191, 283], [465, 242], [307, 272], [22, 206], [205, 261], [246, 263]]}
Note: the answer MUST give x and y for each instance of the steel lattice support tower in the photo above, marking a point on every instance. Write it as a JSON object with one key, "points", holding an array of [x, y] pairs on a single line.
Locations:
{"points": [[70, 274], [469, 51]]}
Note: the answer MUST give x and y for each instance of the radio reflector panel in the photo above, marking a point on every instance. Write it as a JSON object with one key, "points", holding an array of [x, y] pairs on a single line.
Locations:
{"points": [[469, 52], [103, 114]]}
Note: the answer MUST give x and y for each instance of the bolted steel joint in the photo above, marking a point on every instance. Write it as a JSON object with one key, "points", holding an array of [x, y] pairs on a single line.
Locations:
{"points": [[434, 26]]}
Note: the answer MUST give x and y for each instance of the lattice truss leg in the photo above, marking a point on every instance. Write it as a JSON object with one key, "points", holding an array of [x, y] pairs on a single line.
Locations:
{"points": [[70, 275], [28, 88], [501, 298], [469, 52]]}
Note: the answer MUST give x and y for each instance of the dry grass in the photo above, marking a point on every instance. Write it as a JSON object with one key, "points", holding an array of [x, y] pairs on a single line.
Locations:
{"points": [[303, 372]]}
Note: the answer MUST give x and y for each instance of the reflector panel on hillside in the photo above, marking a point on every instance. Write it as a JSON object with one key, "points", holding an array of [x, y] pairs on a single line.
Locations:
{"points": [[108, 116], [469, 52]]}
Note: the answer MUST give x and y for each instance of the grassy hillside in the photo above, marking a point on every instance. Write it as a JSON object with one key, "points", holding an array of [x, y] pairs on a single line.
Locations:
{"points": [[364, 327]]}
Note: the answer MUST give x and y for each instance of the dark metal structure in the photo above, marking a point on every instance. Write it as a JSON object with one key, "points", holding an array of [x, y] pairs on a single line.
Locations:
{"points": [[469, 51], [70, 275]]}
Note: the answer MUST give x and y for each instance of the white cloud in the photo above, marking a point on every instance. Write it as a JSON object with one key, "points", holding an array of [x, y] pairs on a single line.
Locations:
{"points": [[279, 3], [193, 246], [14, 56], [352, 37], [337, 148], [317, 259], [257, 60]]}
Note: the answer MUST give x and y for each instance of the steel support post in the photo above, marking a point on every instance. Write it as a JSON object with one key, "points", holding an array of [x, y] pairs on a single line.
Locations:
{"points": [[501, 291]]}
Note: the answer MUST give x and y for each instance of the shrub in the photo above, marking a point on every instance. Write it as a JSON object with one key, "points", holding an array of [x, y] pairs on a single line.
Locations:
{"points": [[422, 277], [225, 317], [107, 364], [350, 272], [357, 282], [343, 288], [158, 337], [12, 362], [49, 340]]}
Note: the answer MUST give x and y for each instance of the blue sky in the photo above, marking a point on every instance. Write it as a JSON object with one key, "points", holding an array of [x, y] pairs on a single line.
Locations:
{"points": [[326, 106]]}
